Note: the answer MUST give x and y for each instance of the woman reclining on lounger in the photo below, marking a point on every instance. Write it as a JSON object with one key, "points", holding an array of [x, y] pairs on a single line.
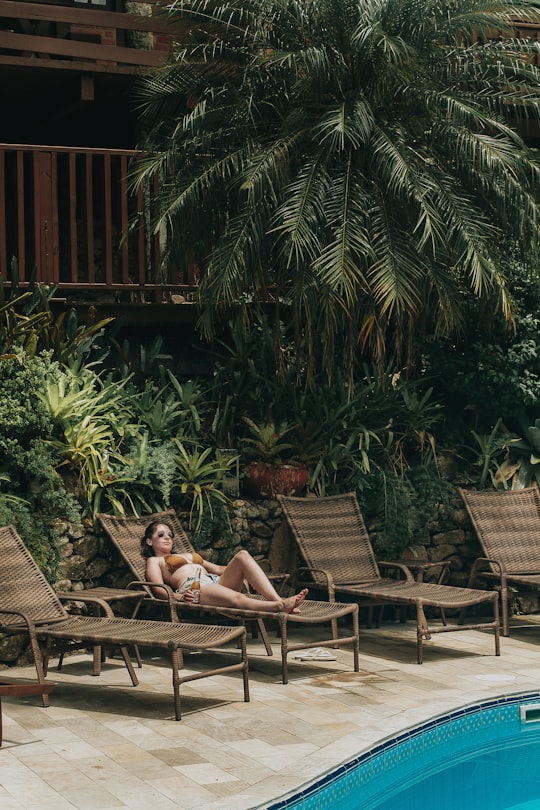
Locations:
{"points": [[220, 585]]}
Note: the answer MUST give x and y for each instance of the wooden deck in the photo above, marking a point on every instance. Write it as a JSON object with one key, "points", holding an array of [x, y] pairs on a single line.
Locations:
{"points": [[65, 217], [81, 36]]}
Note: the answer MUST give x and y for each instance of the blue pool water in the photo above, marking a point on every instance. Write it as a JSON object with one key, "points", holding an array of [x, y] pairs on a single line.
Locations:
{"points": [[482, 757]]}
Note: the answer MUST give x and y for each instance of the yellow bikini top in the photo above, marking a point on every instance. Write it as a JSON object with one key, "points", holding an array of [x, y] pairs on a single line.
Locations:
{"points": [[175, 561]]}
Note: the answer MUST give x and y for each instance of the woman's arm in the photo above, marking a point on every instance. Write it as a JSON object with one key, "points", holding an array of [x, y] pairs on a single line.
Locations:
{"points": [[155, 574]]}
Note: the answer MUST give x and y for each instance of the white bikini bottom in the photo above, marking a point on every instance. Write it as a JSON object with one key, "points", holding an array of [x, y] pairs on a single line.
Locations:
{"points": [[204, 579]]}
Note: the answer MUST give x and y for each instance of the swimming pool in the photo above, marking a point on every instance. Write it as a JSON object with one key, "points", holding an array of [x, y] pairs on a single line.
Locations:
{"points": [[477, 757]]}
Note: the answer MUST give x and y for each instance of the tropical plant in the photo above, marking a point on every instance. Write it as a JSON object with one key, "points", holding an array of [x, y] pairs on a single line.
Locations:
{"points": [[521, 466], [91, 419], [139, 362], [490, 451], [8, 500], [159, 410], [33, 496], [360, 158], [125, 487], [267, 441], [169, 407], [486, 375], [199, 476], [27, 322], [248, 379]]}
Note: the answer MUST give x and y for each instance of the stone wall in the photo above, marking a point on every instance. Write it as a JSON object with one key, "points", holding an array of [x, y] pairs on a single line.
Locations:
{"points": [[88, 558]]}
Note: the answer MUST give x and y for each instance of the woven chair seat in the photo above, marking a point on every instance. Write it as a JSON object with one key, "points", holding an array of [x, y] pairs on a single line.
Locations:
{"points": [[428, 593], [122, 632]]}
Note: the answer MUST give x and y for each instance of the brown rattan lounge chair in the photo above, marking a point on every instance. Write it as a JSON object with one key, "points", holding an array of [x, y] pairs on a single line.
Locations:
{"points": [[125, 534], [507, 524], [28, 604], [333, 541]]}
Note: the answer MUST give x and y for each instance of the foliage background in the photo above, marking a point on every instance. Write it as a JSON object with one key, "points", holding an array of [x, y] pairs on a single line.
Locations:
{"points": [[130, 437]]}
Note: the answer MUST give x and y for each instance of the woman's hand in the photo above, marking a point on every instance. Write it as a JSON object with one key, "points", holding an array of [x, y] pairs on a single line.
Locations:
{"points": [[186, 596]]}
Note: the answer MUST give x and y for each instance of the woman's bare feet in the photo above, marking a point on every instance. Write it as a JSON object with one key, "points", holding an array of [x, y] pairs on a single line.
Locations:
{"points": [[291, 604]]}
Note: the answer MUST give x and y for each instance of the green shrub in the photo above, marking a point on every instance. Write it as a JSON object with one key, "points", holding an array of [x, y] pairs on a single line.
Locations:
{"points": [[33, 496]]}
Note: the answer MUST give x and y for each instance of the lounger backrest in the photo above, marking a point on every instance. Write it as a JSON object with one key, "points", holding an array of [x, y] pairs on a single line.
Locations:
{"points": [[23, 586], [507, 523], [331, 535], [126, 532]]}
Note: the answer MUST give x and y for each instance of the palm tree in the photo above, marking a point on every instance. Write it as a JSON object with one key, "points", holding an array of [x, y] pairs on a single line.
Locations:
{"points": [[357, 161]]}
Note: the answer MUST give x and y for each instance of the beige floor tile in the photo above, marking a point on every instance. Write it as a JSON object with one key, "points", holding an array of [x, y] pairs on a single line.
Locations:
{"points": [[205, 773]]}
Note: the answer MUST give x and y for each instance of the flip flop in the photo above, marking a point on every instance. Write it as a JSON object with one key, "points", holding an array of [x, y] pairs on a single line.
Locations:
{"points": [[316, 654]]}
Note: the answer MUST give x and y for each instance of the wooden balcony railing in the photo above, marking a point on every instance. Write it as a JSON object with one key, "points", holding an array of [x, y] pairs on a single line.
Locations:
{"points": [[82, 35], [68, 216]]}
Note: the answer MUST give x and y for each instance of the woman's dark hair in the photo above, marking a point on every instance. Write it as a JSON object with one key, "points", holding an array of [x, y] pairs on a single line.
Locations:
{"points": [[147, 550]]}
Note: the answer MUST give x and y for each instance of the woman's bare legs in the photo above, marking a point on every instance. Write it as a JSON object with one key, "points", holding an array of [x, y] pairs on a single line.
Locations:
{"points": [[223, 596], [244, 567]]}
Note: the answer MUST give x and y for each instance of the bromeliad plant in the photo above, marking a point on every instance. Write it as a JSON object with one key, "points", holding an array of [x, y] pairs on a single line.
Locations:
{"points": [[267, 442], [199, 474]]}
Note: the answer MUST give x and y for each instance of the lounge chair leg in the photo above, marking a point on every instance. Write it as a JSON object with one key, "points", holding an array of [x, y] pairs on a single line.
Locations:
{"points": [[129, 666], [264, 635], [284, 647], [356, 642], [96, 660], [335, 632], [245, 671], [46, 655], [419, 647], [177, 662], [39, 658], [496, 619], [504, 607], [422, 632]]}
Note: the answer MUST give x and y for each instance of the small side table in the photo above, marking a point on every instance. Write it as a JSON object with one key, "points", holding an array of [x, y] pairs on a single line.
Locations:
{"points": [[20, 689], [421, 566]]}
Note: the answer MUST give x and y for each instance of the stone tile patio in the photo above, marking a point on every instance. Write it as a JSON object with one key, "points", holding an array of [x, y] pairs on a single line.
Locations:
{"points": [[105, 745]]}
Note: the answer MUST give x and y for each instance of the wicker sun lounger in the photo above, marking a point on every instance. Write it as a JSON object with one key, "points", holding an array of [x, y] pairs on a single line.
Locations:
{"points": [[28, 604], [332, 539], [125, 533], [507, 524]]}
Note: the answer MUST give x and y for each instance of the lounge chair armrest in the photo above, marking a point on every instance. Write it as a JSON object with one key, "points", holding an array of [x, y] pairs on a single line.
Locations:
{"points": [[399, 567], [327, 576], [502, 567], [173, 604], [27, 621], [485, 561]]}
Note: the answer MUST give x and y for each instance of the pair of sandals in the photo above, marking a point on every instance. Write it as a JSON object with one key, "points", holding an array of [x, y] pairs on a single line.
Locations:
{"points": [[315, 654]]}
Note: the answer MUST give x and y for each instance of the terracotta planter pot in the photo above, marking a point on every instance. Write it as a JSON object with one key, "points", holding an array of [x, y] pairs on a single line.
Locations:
{"points": [[266, 481]]}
